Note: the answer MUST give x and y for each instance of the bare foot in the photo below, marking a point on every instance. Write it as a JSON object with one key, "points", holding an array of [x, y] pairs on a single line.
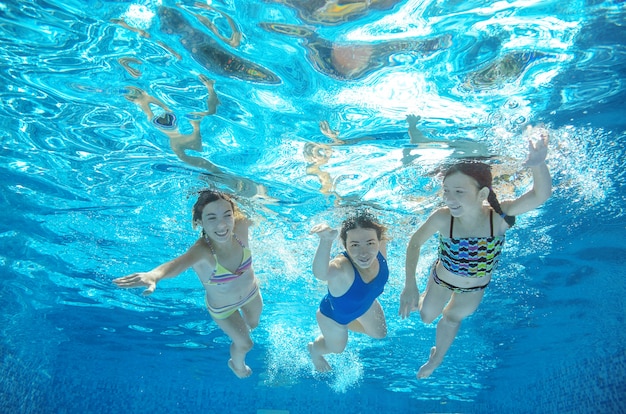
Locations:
{"points": [[428, 368], [244, 372], [321, 365]]}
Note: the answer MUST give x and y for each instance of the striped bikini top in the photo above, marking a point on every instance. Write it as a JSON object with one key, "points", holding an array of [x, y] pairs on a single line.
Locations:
{"points": [[221, 274], [471, 256]]}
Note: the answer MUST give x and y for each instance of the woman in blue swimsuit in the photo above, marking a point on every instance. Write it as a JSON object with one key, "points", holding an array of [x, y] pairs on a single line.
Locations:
{"points": [[471, 237], [231, 296], [355, 279]]}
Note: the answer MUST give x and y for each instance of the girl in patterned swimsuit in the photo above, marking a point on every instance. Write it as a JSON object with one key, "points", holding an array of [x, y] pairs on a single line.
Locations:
{"points": [[470, 240], [232, 297]]}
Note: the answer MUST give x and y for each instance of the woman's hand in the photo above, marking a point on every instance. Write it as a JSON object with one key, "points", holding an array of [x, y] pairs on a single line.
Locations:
{"points": [[324, 232]]}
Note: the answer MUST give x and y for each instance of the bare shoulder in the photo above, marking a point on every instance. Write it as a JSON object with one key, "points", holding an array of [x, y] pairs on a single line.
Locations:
{"points": [[441, 215], [242, 228], [438, 220], [339, 266], [200, 251], [196, 255], [243, 222]]}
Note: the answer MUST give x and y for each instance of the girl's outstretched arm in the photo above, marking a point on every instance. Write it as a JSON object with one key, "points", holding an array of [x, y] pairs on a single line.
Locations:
{"points": [[542, 181], [166, 270]]}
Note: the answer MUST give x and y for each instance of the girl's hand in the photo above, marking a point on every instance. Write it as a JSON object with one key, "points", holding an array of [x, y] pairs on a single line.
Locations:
{"points": [[136, 280], [409, 301], [324, 232], [538, 150]]}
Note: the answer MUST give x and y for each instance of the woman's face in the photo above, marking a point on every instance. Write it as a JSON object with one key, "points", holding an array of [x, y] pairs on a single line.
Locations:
{"points": [[362, 246], [218, 220], [460, 193]]}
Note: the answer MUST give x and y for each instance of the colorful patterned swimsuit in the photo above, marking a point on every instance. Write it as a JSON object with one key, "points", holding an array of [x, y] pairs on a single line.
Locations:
{"points": [[469, 257]]}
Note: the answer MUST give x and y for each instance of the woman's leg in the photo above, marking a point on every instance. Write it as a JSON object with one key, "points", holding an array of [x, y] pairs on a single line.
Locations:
{"points": [[333, 339], [372, 322], [460, 307]]}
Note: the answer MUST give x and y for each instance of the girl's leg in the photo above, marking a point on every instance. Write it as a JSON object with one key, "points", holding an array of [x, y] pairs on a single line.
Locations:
{"points": [[237, 330], [333, 339], [433, 301], [252, 311], [372, 322], [460, 307]]}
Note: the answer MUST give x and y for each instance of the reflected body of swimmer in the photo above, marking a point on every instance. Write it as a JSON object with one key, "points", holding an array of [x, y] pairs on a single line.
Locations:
{"points": [[334, 12], [318, 154], [234, 40], [462, 148], [209, 53], [167, 123], [352, 61]]}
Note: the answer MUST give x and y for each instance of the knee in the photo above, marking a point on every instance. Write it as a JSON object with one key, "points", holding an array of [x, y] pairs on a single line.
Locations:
{"points": [[428, 315], [244, 345], [380, 334], [453, 317], [335, 347]]}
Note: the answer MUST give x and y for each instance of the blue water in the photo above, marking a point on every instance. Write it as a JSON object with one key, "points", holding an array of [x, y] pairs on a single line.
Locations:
{"points": [[92, 189]]}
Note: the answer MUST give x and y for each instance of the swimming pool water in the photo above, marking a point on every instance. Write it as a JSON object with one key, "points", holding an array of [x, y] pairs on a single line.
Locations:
{"points": [[311, 121]]}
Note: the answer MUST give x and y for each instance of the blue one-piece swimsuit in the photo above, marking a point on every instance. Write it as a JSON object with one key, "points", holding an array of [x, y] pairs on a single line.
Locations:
{"points": [[359, 298]]}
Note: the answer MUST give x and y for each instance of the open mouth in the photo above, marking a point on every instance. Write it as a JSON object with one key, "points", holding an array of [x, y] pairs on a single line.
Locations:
{"points": [[221, 233]]}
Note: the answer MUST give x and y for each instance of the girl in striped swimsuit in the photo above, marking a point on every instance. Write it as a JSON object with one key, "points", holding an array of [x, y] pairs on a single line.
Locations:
{"points": [[231, 296]]}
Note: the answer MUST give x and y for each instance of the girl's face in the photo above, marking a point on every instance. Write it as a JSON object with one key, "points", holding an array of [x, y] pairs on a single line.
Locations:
{"points": [[461, 193], [362, 246], [218, 220]]}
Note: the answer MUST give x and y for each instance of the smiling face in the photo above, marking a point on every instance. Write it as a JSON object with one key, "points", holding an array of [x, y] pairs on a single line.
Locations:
{"points": [[362, 245], [461, 194], [218, 220]]}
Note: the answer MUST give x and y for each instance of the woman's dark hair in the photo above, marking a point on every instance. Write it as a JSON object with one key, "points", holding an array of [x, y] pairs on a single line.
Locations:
{"points": [[481, 172], [365, 220], [205, 197]]}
